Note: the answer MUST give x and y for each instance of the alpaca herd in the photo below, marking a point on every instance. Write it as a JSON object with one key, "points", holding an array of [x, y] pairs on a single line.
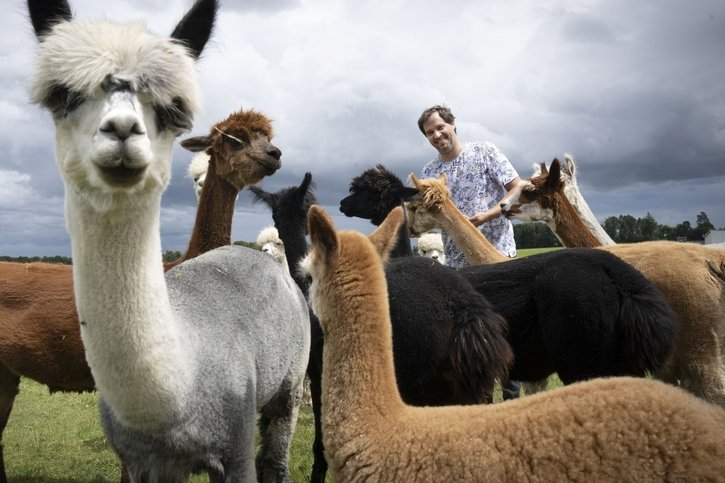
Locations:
{"points": [[402, 352]]}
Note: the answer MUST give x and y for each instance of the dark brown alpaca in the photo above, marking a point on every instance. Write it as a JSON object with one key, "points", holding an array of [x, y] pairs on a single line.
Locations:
{"points": [[39, 332]]}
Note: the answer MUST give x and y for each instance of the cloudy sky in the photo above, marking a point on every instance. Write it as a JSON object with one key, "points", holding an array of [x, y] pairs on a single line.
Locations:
{"points": [[634, 90]]}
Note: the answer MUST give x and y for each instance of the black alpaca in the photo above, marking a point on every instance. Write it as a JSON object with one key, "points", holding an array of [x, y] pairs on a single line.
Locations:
{"points": [[373, 194], [449, 346], [579, 312]]}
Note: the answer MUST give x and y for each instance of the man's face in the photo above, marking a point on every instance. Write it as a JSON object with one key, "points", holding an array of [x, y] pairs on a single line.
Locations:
{"points": [[440, 134]]}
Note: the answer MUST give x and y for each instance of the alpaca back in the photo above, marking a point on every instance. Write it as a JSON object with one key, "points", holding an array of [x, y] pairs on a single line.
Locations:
{"points": [[449, 344], [579, 313], [255, 352]]}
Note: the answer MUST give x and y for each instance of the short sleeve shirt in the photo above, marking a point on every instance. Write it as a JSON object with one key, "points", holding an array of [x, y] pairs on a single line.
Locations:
{"points": [[477, 179]]}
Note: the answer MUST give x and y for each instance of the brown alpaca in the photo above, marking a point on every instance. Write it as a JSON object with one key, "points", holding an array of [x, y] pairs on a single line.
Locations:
{"points": [[613, 429], [690, 276], [38, 321]]}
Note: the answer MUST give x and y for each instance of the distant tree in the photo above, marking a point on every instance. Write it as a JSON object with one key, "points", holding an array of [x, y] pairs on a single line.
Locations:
{"points": [[170, 256], [648, 228], [534, 235], [683, 230], [703, 225], [54, 259], [247, 244]]}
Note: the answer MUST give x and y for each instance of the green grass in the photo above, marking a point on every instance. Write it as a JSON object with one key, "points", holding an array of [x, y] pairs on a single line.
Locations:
{"points": [[525, 252], [54, 438]]}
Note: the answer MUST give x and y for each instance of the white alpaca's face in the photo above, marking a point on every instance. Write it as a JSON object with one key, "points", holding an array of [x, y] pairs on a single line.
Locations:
{"points": [[275, 249], [524, 205], [119, 97], [111, 143]]}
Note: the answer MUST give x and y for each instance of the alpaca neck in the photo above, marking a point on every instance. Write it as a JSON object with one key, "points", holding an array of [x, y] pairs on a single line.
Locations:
{"points": [[475, 247], [572, 193], [213, 224], [132, 342], [292, 234], [568, 226], [358, 377]]}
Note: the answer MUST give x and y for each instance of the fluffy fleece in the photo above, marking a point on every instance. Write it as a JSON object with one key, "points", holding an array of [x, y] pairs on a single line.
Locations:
{"points": [[617, 429]]}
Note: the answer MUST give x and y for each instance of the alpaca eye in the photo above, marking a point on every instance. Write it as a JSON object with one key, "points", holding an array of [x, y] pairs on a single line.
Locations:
{"points": [[173, 116], [62, 101]]}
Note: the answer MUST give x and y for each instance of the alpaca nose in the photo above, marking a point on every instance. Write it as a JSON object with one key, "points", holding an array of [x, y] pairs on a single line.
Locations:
{"points": [[274, 152], [121, 125], [435, 257]]}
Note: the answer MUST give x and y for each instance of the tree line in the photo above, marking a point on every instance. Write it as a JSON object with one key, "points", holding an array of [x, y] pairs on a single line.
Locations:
{"points": [[622, 229]]}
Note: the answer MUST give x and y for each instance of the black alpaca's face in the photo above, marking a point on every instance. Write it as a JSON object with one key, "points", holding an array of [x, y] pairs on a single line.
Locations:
{"points": [[360, 204]]}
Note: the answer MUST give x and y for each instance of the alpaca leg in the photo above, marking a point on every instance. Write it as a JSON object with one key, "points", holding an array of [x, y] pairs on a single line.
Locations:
{"points": [[319, 464], [9, 388], [276, 426], [700, 372]]}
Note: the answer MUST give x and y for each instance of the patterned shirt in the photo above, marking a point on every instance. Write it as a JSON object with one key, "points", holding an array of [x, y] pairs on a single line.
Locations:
{"points": [[477, 179]]}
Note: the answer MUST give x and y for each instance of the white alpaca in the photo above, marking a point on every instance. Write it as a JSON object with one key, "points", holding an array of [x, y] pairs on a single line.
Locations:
{"points": [[431, 245], [182, 363], [269, 242], [197, 172]]}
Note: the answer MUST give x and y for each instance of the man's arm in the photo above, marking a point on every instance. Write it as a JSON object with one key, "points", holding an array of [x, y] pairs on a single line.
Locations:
{"points": [[495, 211]]}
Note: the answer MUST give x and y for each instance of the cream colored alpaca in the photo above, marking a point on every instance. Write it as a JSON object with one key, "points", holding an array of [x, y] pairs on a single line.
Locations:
{"points": [[197, 172], [691, 277], [615, 429], [431, 245], [436, 209], [268, 241]]}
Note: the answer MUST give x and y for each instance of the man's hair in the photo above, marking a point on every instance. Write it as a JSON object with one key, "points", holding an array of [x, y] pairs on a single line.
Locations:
{"points": [[443, 111]]}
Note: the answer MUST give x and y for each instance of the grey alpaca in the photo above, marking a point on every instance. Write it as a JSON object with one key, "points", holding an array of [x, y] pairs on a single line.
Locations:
{"points": [[183, 362]]}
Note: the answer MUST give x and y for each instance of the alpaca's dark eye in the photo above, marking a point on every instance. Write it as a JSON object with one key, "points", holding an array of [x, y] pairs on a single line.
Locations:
{"points": [[61, 101], [173, 116]]}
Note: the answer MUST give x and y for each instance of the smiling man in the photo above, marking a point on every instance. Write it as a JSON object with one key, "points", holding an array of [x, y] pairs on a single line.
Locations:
{"points": [[479, 176]]}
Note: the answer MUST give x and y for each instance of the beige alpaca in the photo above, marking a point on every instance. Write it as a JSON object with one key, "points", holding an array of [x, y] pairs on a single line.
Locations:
{"points": [[691, 277], [613, 429]]}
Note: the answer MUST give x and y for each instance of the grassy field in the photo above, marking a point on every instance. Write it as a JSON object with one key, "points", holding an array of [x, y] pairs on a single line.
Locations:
{"points": [[56, 438]]}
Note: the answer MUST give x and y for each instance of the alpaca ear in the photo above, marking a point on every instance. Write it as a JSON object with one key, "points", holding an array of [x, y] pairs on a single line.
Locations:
{"points": [[45, 14], [194, 30], [442, 178], [386, 234], [543, 169], [408, 193], [322, 232], [414, 179], [569, 167], [197, 144], [552, 181]]}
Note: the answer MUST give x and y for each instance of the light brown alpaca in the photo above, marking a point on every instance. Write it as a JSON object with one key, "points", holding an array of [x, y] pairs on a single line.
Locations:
{"points": [[614, 429], [436, 209], [40, 335], [691, 277]]}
